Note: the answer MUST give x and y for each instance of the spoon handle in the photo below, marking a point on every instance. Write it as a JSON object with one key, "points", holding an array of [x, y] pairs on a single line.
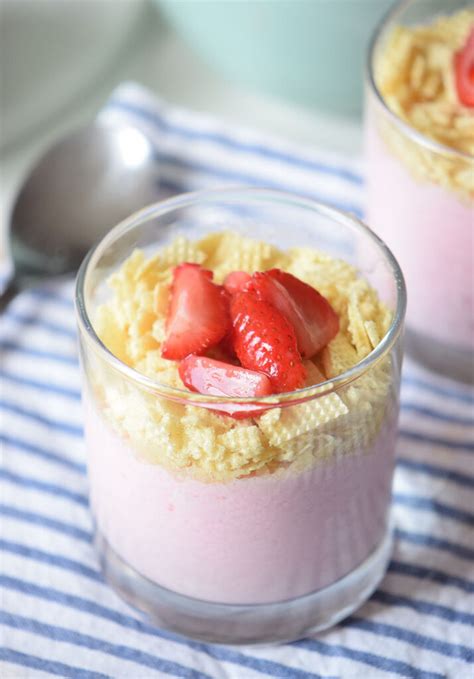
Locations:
{"points": [[9, 293]]}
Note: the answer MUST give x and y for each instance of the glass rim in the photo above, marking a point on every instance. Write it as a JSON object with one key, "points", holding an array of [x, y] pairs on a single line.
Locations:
{"points": [[301, 395], [413, 133]]}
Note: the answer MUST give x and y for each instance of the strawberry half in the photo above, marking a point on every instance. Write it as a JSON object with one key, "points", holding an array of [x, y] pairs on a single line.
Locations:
{"points": [[198, 314], [264, 340], [464, 71], [313, 318], [208, 376], [235, 282]]}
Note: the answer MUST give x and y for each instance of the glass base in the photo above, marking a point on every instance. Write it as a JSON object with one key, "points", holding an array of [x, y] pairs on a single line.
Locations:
{"points": [[439, 357], [245, 624]]}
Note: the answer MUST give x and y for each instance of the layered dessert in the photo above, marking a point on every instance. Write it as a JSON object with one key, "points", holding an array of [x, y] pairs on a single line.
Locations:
{"points": [[421, 170], [244, 477]]}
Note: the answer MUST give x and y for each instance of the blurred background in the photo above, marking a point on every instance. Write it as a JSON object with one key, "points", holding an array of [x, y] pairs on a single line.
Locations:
{"points": [[288, 67]]}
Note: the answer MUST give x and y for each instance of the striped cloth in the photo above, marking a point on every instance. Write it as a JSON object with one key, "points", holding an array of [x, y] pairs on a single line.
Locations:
{"points": [[57, 615]]}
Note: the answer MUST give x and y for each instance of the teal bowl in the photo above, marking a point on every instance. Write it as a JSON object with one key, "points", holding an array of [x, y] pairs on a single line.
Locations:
{"points": [[309, 52]]}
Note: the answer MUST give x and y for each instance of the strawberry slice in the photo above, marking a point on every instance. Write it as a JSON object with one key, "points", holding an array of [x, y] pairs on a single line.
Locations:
{"points": [[236, 281], [208, 376], [272, 291], [198, 314], [464, 71], [313, 318], [264, 340]]}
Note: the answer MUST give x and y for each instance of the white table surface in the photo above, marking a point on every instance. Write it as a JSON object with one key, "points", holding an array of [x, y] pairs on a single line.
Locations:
{"points": [[157, 58]]}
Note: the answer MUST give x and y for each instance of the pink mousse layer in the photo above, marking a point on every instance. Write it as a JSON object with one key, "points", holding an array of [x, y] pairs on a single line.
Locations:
{"points": [[431, 232], [253, 540]]}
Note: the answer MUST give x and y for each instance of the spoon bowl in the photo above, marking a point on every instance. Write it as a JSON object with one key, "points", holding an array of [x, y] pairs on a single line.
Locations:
{"points": [[80, 188]]}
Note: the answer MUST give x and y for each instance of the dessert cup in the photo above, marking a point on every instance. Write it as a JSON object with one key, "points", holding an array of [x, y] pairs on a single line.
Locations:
{"points": [[269, 555], [420, 202]]}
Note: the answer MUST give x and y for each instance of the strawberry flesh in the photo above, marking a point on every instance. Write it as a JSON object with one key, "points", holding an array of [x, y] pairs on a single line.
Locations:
{"points": [[236, 281], [313, 318], [216, 378], [264, 340], [272, 291], [208, 376], [198, 314]]}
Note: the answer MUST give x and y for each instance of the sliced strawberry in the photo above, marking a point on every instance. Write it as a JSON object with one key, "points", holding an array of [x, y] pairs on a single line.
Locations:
{"points": [[208, 376], [236, 281], [265, 341], [313, 318], [272, 291], [464, 71], [198, 314]]}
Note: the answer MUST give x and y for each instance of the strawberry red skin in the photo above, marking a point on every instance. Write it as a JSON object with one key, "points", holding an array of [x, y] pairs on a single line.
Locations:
{"points": [[265, 341], [317, 323], [198, 313], [464, 71], [208, 376], [236, 281]]}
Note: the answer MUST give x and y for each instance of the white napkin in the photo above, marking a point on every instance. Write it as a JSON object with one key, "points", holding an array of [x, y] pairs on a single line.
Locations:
{"points": [[57, 615]]}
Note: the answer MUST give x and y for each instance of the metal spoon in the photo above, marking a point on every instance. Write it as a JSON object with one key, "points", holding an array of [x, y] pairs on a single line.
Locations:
{"points": [[81, 187]]}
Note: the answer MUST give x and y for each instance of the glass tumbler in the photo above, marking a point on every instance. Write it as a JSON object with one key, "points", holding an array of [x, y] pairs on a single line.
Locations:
{"points": [[268, 556], [421, 202]]}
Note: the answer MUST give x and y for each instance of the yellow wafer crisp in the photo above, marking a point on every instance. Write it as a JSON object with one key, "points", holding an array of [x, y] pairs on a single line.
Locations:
{"points": [[308, 448], [338, 356], [122, 406], [157, 269], [236, 253], [247, 447], [181, 250], [161, 296], [109, 328], [123, 280], [372, 333], [243, 438], [357, 325], [332, 277], [153, 365], [296, 420], [251, 256]]}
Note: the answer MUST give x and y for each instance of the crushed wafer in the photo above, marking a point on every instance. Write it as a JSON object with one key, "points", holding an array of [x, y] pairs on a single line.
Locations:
{"points": [[283, 424]]}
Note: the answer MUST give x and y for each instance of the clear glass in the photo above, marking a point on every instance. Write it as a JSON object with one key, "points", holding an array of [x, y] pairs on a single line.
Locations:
{"points": [[268, 556], [420, 203]]}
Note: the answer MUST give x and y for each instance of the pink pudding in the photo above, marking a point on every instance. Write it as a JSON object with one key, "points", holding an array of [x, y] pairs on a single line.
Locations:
{"points": [[252, 540], [430, 229]]}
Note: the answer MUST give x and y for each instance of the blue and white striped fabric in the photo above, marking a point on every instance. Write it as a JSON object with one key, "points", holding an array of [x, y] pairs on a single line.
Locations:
{"points": [[57, 615]]}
